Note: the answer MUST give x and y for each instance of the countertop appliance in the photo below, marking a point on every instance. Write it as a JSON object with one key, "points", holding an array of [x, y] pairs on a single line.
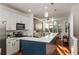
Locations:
{"points": [[3, 36], [20, 26], [19, 34]]}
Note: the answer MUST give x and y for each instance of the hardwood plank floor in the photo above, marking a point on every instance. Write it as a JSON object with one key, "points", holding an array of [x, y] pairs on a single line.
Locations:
{"points": [[61, 49]]}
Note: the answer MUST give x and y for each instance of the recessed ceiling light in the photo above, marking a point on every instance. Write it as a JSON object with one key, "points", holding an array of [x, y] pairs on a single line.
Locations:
{"points": [[46, 7], [29, 10]]}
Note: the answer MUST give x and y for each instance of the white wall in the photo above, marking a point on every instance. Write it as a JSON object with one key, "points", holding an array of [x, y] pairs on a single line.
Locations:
{"points": [[75, 32], [73, 40], [12, 17], [71, 23], [75, 10]]}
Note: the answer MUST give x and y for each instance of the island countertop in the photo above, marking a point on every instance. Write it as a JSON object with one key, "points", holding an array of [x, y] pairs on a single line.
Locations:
{"points": [[45, 39], [36, 46]]}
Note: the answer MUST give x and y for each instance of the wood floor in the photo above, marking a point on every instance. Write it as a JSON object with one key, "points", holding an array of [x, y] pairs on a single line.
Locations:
{"points": [[61, 49]]}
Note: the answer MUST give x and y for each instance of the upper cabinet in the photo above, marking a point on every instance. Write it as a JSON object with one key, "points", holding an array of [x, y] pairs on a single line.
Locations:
{"points": [[20, 19], [12, 17], [11, 21]]}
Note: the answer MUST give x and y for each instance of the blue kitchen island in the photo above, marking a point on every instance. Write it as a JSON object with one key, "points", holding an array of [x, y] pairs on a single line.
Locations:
{"points": [[33, 48], [36, 46]]}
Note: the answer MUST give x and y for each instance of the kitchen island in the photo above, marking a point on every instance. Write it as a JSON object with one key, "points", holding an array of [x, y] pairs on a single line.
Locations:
{"points": [[36, 46]]}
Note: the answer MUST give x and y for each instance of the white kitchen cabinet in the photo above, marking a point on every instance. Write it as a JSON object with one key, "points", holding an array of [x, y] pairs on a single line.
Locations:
{"points": [[11, 21], [12, 16], [12, 46], [10, 25], [9, 46], [16, 45], [18, 19]]}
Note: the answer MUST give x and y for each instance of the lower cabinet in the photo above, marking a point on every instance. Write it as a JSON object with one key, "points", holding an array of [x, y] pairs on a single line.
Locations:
{"points": [[33, 48], [12, 46]]}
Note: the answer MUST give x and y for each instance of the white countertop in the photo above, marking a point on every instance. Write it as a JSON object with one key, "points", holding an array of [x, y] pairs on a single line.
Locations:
{"points": [[45, 39]]}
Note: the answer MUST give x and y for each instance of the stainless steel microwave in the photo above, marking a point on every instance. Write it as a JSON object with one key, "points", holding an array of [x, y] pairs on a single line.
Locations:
{"points": [[20, 26]]}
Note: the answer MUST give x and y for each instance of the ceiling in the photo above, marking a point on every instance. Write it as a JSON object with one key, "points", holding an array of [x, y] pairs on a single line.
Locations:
{"points": [[54, 10]]}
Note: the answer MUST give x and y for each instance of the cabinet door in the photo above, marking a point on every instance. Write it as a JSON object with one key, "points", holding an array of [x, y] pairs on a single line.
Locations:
{"points": [[11, 21], [9, 47], [16, 45], [12, 46], [20, 19]]}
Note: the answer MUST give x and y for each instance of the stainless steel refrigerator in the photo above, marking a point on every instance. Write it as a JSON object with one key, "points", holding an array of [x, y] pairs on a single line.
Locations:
{"points": [[3, 37]]}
